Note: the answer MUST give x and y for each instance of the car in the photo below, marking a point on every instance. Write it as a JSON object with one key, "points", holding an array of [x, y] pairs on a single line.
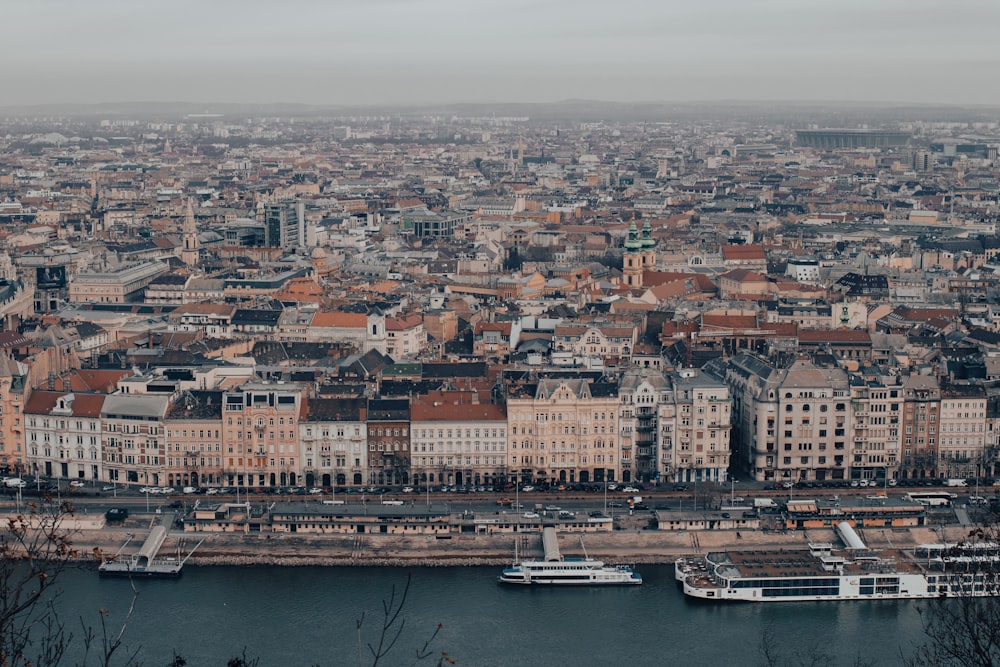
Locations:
{"points": [[505, 502], [893, 482], [749, 514], [977, 500], [167, 490], [615, 504], [527, 488], [566, 515], [190, 489], [630, 489], [212, 491], [315, 491], [552, 508], [76, 484], [407, 489], [612, 487], [146, 489], [108, 487], [726, 515], [530, 515]]}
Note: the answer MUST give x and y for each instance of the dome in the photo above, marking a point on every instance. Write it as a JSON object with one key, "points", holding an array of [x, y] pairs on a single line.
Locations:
{"points": [[317, 253]]}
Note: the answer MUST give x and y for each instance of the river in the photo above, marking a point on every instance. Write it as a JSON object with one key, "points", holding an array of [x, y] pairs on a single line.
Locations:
{"points": [[306, 616]]}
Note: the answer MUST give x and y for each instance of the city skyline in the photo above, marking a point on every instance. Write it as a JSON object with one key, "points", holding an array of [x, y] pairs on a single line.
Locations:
{"points": [[443, 51]]}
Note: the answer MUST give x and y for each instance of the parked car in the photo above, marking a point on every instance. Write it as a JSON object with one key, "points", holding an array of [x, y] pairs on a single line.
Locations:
{"points": [[630, 489], [527, 488], [76, 484], [407, 489], [530, 515]]}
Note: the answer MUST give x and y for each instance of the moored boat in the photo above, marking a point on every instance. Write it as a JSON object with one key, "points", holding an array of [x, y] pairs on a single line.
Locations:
{"points": [[554, 570], [569, 572], [823, 573]]}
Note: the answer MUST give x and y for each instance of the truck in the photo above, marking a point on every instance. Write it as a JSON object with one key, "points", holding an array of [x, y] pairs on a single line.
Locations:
{"points": [[955, 482], [764, 504]]}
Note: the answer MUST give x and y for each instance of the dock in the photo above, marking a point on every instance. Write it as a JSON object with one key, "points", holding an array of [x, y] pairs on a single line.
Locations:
{"points": [[145, 562]]}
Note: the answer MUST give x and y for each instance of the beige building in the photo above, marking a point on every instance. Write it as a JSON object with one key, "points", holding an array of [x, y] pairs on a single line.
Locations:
{"points": [[333, 436], [194, 448], [123, 286], [457, 440], [877, 415], [962, 437], [260, 435], [135, 438], [14, 394], [405, 336], [563, 430], [701, 448], [63, 435]]}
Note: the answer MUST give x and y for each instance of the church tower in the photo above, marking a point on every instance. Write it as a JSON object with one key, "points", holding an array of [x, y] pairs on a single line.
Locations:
{"points": [[648, 247], [191, 252], [633, 258]]}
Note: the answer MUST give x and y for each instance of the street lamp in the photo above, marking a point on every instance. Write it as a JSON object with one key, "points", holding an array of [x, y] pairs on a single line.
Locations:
{"points": [[732, 491]]}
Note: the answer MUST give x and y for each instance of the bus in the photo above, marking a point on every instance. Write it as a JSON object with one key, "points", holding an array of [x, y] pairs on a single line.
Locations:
{"points": [[931, 498]]}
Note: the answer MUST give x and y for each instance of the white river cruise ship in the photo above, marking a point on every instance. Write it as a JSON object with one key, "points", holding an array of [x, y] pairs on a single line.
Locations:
{"points": [[853, 573]]}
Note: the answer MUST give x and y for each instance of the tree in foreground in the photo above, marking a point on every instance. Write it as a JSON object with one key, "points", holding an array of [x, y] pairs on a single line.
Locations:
{"points": [[964, 630], [35, 549]]}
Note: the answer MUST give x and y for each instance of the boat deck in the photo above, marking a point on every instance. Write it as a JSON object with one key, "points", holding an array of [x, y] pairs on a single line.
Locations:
{"points": [[792, 563]]}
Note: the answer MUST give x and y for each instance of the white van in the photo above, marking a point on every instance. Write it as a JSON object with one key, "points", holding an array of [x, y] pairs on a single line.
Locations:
{"points": [[15, 483]]}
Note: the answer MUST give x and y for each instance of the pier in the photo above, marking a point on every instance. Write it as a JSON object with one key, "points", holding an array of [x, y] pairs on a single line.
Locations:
{"points": [[145, 562]]}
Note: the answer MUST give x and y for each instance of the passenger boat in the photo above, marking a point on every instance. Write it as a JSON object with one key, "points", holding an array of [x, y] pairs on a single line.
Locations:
{"points": [[555, 570], [853, 573], [569, 572]]}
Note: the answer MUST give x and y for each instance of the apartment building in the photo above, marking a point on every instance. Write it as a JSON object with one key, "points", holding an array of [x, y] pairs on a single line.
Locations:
{"points": [[790, 423], [646, 422], [260, 435], [702, 409], [921, 412], [63, 435], [194, 443], [876, 425], [388, 441], [14, 393], [135, 438], [564, 429], [333, 441], [405, 336], [457, 440], [962, 431]]}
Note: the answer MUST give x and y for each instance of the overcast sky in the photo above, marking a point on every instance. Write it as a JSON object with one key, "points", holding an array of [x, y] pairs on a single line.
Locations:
{"points": [[424, 51]]}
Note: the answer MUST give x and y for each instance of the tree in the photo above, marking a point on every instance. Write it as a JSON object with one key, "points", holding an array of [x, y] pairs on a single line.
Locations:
{"points": [[388, 633], [964, 630], [35, 550]]}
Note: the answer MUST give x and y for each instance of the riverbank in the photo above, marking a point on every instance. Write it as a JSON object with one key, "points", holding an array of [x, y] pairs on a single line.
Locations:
{"points": [[368, 550]]}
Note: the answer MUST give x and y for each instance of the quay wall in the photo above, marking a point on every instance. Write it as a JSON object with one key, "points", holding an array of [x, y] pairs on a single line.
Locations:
{"points": [[620, 546]]}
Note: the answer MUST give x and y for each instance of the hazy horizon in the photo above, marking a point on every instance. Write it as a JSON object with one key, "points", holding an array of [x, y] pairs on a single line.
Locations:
{"points": [[419, 52]]}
